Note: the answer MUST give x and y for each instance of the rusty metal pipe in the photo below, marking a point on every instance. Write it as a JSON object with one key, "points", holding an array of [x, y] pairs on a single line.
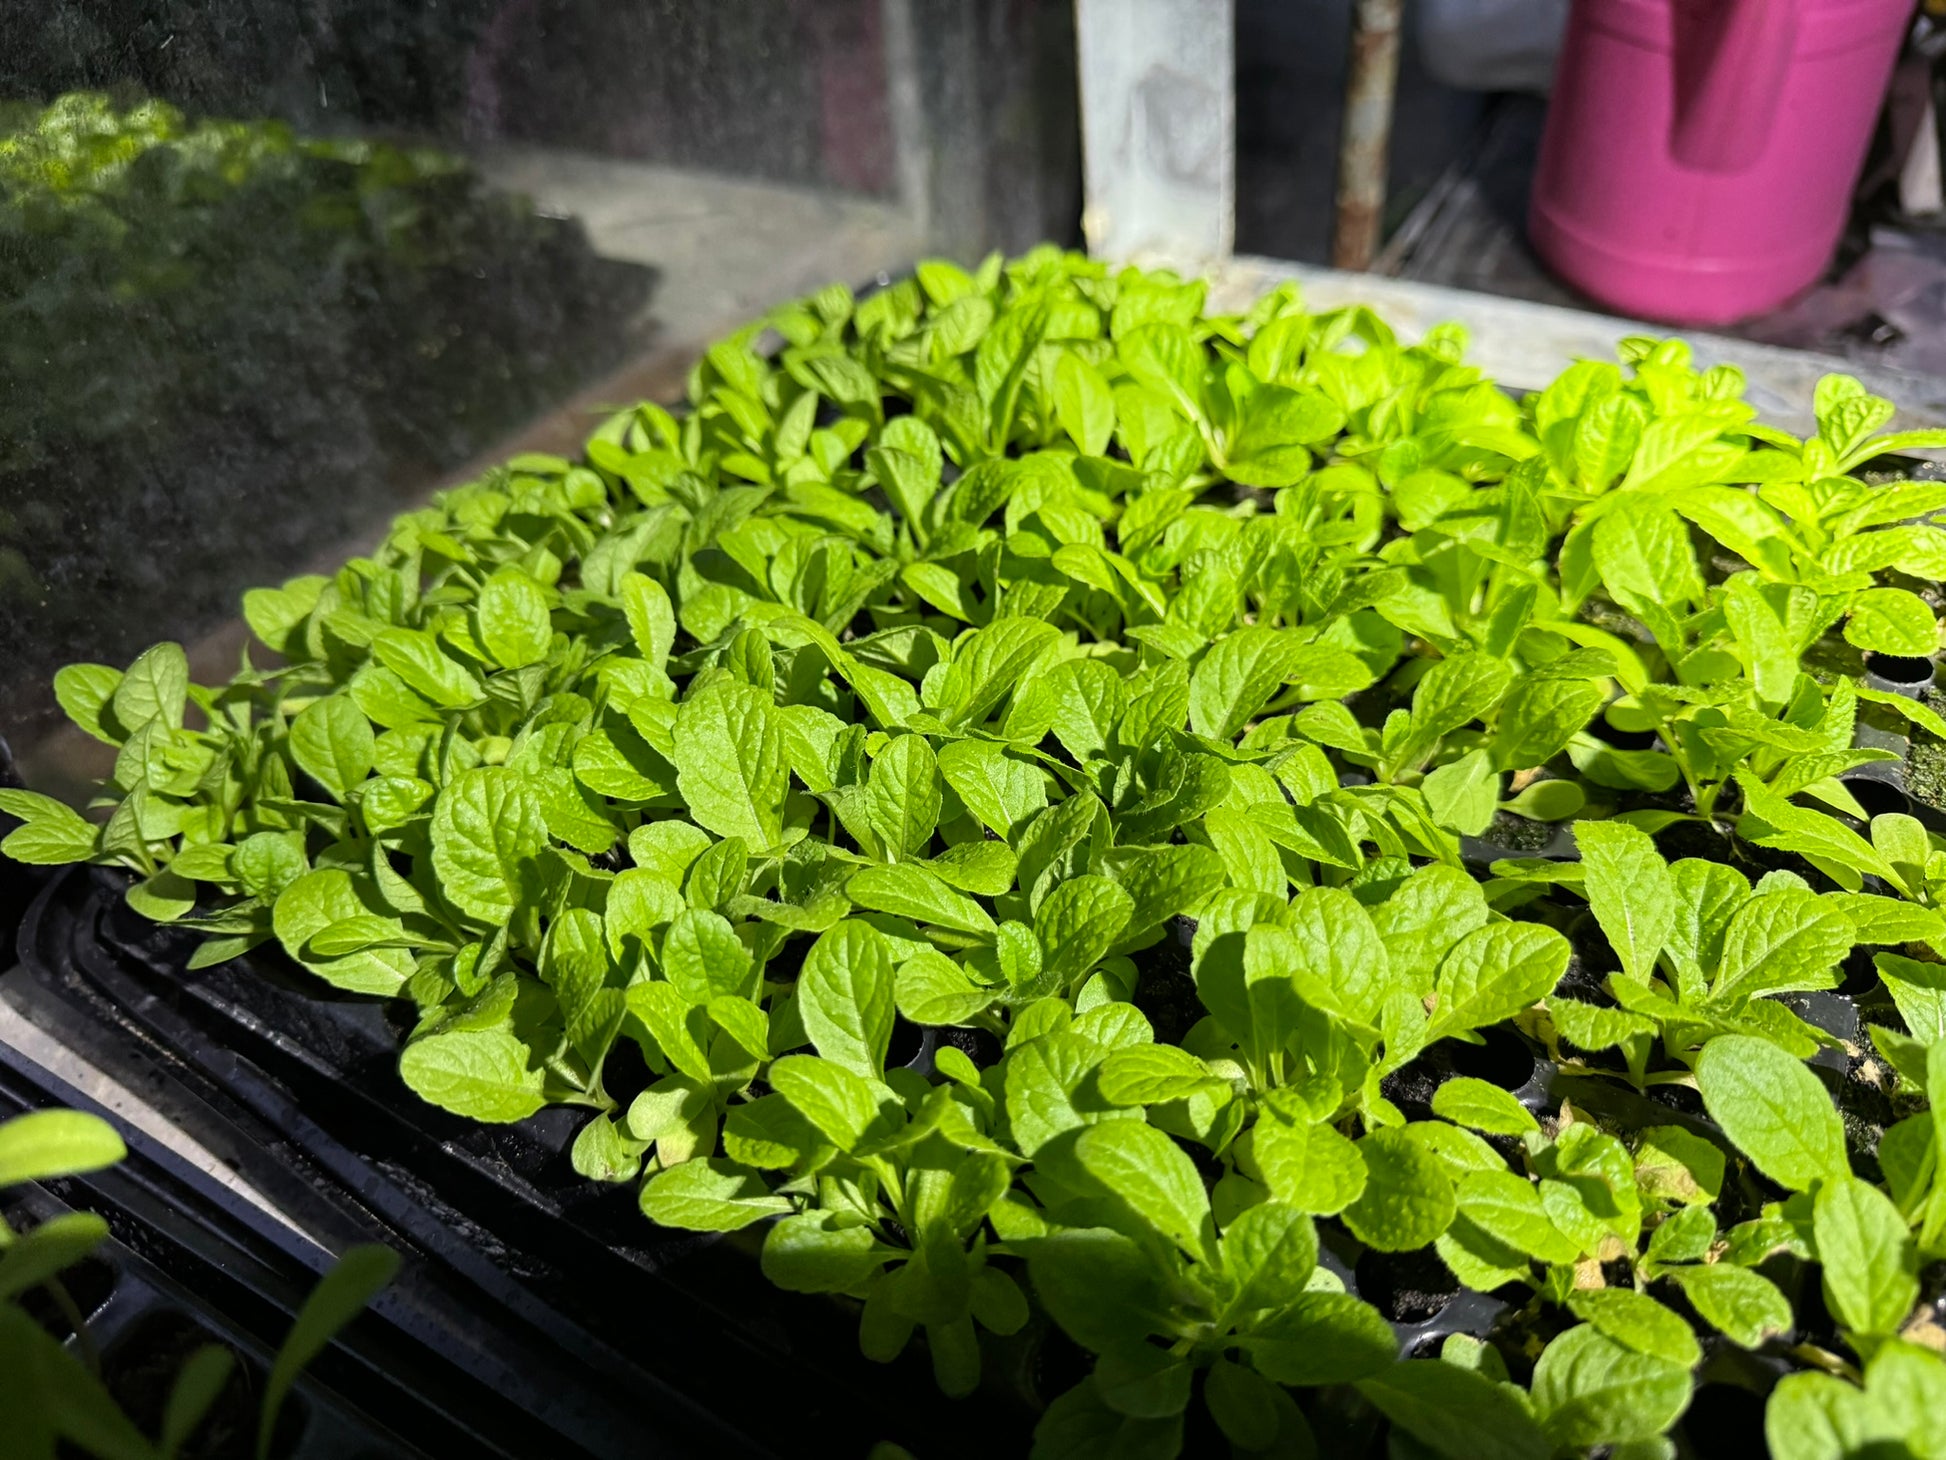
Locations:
{"points": [[1371, 83]]}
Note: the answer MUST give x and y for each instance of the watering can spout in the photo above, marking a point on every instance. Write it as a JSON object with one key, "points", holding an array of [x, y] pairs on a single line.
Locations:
{"points": [[1732, 59]]}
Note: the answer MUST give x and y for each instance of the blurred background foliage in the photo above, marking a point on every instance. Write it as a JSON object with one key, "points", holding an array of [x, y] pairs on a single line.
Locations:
{"points": [[228, 346]]}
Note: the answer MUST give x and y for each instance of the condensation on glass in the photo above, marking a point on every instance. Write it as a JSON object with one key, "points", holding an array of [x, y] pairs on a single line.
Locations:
{"points": [[273, 270]]}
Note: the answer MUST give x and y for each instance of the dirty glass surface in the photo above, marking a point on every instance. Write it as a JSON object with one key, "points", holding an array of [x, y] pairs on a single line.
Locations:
{"points": [[273, 270]]}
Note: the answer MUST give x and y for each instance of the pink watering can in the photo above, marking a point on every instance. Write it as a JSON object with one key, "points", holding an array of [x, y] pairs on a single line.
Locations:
{"points": [[1700, 155]]}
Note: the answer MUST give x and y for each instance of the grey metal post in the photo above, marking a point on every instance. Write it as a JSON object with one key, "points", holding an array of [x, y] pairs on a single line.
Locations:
{"points": [[1371, 81]]}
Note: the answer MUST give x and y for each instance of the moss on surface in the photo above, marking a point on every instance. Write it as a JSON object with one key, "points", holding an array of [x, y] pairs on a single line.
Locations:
{"points": [[1925, 762]]}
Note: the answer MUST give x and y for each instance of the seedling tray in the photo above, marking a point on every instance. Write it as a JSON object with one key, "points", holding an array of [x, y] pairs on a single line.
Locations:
{"points": [[687, 1318], [318, 1068], [191, 1262], [1555, 1090]]}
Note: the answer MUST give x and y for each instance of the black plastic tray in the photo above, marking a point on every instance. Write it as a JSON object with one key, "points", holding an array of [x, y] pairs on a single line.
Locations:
{"points": [[678, 1320], [316, 1071], [265, 1035], [190, 1261]]}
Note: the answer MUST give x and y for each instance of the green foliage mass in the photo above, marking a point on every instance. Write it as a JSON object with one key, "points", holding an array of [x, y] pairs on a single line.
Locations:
{"points": [[958, 643], [224, 342]]}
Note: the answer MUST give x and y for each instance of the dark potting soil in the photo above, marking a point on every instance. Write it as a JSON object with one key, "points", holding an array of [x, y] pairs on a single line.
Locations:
{"points": [[1503, 1059], [1715, 841], [1164, 990], [1925, 761], [1866, 1110], [1407, 1287], [1519, 834], [1522, 1332], [978, 1045], [1590, 963]]}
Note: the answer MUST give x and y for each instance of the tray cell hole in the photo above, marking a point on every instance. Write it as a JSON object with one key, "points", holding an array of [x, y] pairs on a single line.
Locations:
{"points": [[1407, 1287], [141, 1368], [1724, 1419], [1503, 1060], [909, 1045], [978, 1045], [1879, 798], [1905, 669], [88, 1283]]}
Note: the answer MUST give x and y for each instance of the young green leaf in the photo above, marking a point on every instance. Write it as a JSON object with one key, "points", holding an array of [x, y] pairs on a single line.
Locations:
{"points": [[730, 765], [1746, 1306], [1269, 1252], [1154, 1176], [1310, 1166], [1788, 939], [1321, 1338], [904, 796], [485, 1074], [808, 1253], [1456, 1413], [155, 688], [1629, 888], [1084, 404], [845, 996], [914, 891], [1774, 1109], [332, 743], [1237, 677], [1463, 794], [1467, 1101], [486, 826], [1079, 923], [1511, 1211], [1407, 1200], [418, 660], [340, 1296], [51, 833], [1496, 971], [1591, 1390], [48, 1143], [711, 1195], [1639, 1322], [1869, 1259], [651, 617], [511, 619]]}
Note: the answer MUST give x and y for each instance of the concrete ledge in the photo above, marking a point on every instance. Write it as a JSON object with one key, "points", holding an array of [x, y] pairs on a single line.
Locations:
{"points": [[1525, 345]]}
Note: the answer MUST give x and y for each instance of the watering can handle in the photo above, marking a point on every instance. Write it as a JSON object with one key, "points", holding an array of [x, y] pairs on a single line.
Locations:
{"points": [[1732, 58]]}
